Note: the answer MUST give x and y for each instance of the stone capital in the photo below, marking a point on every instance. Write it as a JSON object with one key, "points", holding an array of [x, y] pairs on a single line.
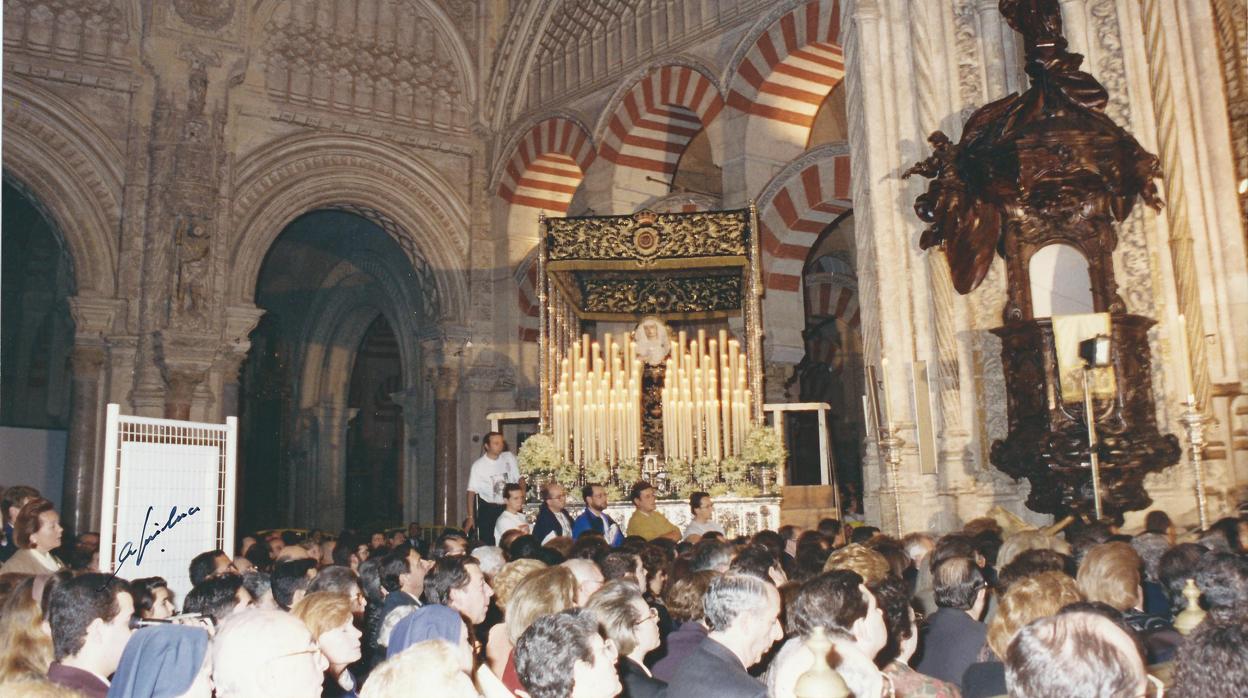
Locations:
{"points": [[95, 316]]}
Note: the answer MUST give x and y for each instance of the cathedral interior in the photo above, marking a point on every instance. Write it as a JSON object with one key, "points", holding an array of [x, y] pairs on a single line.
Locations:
{"points": [[323, 217]]}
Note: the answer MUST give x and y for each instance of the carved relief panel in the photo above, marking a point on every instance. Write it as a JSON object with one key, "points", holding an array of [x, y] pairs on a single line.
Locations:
{"points": [[374, 58], [82, 31]]}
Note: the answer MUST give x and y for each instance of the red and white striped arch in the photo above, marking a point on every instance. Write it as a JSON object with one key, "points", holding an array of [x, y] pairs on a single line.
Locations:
{"points": [[526, 297], [795, 207], [781, 82], [651, 127], [791, 219], [547, 166], [792, 66]]}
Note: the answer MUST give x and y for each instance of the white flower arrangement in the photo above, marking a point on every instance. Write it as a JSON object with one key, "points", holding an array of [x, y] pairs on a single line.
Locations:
{"points": [[763, 447]]}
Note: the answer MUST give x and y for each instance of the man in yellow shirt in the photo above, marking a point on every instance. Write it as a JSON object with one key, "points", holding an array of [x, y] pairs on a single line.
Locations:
{"points": [[647, 521]]}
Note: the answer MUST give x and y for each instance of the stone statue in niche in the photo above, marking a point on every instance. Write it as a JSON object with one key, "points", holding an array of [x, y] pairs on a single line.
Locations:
{"points": [[1035, 169], [194, 244]]}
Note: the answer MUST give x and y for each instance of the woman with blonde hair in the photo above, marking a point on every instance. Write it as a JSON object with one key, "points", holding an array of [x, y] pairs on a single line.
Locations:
{"points": [[541, 593], [497, 643], [328, 617], [1026, 600], [25, 642], [430, 668]]}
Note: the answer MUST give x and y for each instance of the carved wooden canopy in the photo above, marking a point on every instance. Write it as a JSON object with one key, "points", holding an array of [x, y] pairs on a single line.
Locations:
{"points": [[1047, 164]]}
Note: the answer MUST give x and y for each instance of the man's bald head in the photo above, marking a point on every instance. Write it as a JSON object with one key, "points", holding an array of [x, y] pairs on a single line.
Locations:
{"points": [[266, 653]]}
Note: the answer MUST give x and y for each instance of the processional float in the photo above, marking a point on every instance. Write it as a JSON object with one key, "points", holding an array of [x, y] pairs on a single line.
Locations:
{"points": [[644, 395]]}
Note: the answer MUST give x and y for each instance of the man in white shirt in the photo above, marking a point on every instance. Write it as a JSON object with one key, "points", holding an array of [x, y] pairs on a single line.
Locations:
{"points": [[703, 509], [495, 469]]}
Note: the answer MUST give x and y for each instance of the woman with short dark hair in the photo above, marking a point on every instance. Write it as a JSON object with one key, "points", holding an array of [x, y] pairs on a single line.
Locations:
{"points": [[37, 532]]}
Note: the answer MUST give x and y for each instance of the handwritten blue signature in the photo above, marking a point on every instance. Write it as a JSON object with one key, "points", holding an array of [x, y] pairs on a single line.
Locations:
{"points": [[128, 550]]}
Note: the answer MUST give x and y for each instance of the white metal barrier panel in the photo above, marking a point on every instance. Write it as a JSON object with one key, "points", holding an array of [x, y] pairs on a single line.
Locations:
{"points": [[168, 495]]}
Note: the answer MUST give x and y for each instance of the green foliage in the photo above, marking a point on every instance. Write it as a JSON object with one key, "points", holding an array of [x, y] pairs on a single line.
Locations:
{"points": [[763, 447]]}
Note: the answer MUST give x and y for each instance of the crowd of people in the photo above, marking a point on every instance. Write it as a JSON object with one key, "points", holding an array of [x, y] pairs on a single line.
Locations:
{"points": [[589, 611]]}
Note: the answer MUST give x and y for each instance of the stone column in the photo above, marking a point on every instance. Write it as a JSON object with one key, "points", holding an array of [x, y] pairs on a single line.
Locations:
{"points": [[414, 496], [93, 321], [442, 358], [80, 500], [327, 506], [239, 322], [184, 360]]}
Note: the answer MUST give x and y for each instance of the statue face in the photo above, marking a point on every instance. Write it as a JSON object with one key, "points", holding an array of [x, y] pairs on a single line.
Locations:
{"points": [[651, 331]]}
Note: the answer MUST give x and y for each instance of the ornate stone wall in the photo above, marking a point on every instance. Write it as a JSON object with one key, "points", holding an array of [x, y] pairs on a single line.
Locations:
{"points": [[171, 142]]}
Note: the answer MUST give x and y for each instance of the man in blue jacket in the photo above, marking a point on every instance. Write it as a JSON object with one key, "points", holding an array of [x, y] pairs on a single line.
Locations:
{"points": [[595, 517]]}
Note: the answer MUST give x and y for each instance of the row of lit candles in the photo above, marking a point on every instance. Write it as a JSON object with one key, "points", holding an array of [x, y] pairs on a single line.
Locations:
{"points": [[705, 399], [596, 408]]}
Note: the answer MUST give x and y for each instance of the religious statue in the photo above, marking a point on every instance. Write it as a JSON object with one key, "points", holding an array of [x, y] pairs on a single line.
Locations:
{"points": [[653, 345], [194, 244]]}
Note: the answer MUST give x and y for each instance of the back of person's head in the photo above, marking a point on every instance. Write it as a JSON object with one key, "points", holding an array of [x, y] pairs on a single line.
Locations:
{"points": [[833, 601], [448, 573], [952, 545], [893, 552], [1018, 543], [1032, 562], [543, 592], [1223, 582], [164, 660], [547, 653], [956, 582], [1029, 598], [510, 576], [684, 596], [13, 498], [1157, 521], [1150, 547], [589, 546], [260, 556], [433, 665], [618, 564], [204, 565], [731, 596], [1223, 536], [322, 611], [1175, 568], [894, 599], [261, 653], [25, 648], [771, 540], [757, 560], [1083, 537], [869, 564], [711, 554], [1110, 573], [77, 603], [829, 528], [862, 534], [450, 543], [259, 585], [290, 578], [216, 597], [492, 559], [524, 546], [1073, 654], [1213, 660], [339, 580]]}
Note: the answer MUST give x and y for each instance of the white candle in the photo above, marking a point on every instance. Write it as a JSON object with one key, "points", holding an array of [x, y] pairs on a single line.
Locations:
{"points": [[1186, 384], [888, 403]]}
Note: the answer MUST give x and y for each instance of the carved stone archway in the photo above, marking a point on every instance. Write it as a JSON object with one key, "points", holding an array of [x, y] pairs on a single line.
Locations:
{"points": [[404, 195]]}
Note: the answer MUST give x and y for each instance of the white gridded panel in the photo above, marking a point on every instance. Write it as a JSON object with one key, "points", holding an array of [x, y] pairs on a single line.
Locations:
{"points": [[154, 467]]}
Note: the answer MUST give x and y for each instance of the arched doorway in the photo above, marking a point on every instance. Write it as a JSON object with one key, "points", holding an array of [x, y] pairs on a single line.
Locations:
{"points": [[832, 369], [324, 443], [38, 330]]}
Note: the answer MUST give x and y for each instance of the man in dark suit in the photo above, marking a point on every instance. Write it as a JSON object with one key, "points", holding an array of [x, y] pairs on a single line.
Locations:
{"points": [[954, 637], [403, 577], [744, 615], [90, 620]]}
